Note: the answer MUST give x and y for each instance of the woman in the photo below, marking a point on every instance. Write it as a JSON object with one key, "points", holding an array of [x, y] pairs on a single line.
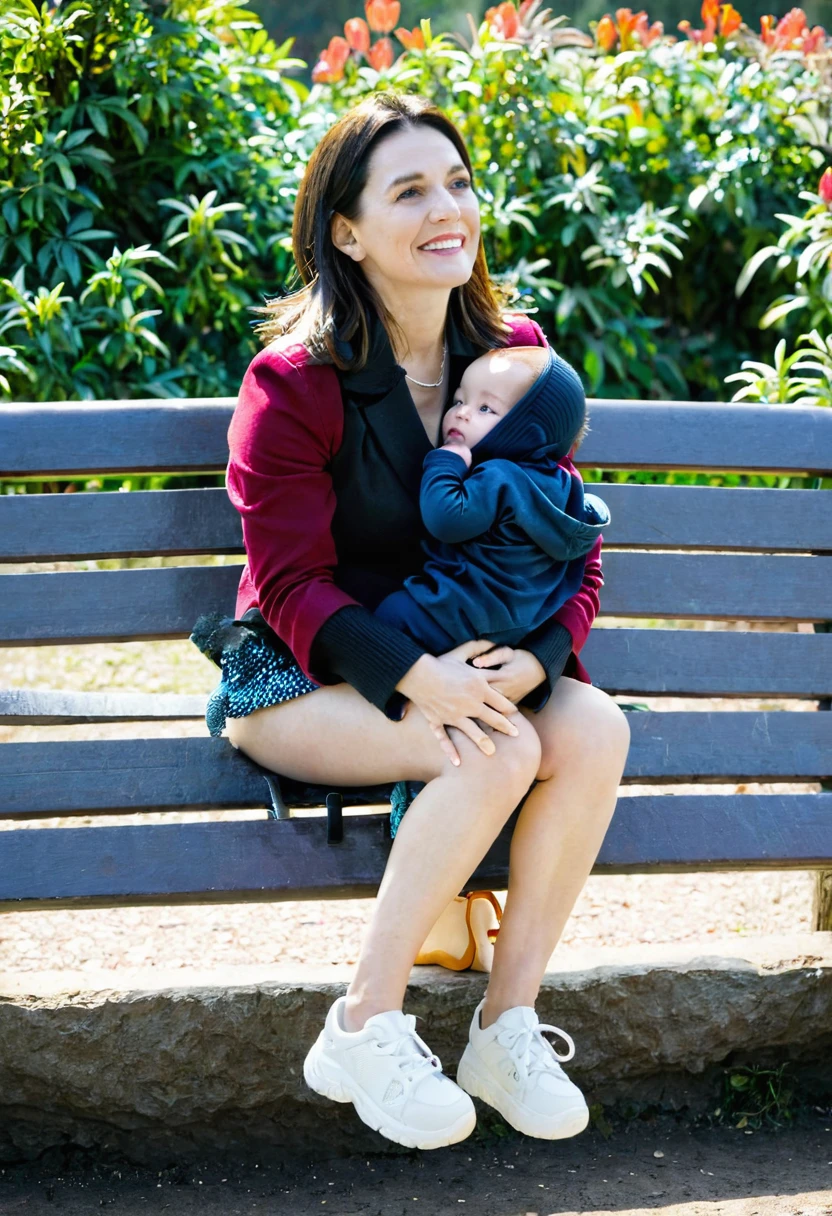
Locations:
{"points": [[334, 418]]}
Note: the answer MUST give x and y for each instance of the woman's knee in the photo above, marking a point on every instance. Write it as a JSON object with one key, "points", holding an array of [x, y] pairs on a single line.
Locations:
{"points": [[588, 724], [515, 762]]}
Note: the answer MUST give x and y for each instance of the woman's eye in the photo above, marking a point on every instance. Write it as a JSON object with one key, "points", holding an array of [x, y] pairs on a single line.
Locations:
{"points": [[409, 190], [463, 181]]}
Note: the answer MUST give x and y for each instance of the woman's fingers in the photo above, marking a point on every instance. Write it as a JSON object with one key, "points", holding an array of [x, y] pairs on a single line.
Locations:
{"points": [[497, 721], [498, 701], [468, 650], [446, 745], [477, 735], [503, 654]]}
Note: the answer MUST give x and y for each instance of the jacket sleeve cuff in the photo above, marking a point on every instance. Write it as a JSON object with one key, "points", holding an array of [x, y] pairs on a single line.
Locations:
{"points": [[372, 656], [552, 645]]}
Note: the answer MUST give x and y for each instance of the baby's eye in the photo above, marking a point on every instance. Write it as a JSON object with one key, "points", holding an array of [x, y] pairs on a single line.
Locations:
{"points": [[485, 407]]}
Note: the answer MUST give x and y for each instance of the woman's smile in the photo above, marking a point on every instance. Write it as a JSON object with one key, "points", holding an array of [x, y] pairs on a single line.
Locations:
{"points": [[445, 245]]}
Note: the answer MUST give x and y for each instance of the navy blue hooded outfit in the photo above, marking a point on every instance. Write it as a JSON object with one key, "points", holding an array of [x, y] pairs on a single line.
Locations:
{"points": [[508, 538]]}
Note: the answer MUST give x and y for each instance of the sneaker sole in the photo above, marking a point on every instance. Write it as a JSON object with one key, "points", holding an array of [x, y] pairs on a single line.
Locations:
{"points": [[327, 1078], [471, 1077]]}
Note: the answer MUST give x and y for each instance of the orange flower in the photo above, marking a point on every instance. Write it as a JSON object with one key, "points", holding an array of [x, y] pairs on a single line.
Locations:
{"points": [[825, 186], [766, 30], [626, 23], [330, 65], [357, 34], [503, 20], [381, 54], [524, 8], [729, 20], [645, 32], [411, 40], [606, 33], [382, 15], [710, 12]]}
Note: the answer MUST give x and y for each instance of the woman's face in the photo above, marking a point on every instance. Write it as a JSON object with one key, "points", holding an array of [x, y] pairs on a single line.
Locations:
{"points": [[419, 221]]}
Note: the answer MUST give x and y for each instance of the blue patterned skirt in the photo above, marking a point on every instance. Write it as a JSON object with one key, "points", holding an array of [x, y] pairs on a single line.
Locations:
{"points": [[258, 670]]}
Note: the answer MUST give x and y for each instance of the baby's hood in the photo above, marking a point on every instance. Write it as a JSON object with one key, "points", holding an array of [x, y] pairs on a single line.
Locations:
{"points": [[544, 423]]}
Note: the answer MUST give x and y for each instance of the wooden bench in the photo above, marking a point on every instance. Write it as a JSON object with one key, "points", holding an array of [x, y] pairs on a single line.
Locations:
{"points": [[676, 553]]}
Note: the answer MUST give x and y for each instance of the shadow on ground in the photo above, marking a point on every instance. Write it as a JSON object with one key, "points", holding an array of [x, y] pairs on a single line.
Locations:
{"points": [[661, 1165]]}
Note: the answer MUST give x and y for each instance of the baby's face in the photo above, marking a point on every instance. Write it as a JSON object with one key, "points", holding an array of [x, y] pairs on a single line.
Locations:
{"points": [[490, 387]]}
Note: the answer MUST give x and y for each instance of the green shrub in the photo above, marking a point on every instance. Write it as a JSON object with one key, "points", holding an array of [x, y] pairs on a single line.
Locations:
{"points": [[150, 154], [145, 187]]}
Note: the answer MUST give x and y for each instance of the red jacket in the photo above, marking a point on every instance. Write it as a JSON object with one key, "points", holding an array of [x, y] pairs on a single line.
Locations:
{"points": [[286, 428]]}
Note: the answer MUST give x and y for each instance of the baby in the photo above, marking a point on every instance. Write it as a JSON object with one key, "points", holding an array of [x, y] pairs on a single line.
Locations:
{"points": [[509, 527]]}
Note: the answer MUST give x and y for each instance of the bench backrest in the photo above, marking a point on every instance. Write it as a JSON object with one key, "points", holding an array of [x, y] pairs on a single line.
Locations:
{"points": [[672, 553]]}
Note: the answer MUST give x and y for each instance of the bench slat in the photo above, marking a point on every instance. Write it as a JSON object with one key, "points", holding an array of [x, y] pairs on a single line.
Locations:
{"points": [[258, 859], [639, 662], [66, 778], [164, 602], [690, 662], [74, 439], [21, 706], [170, 523]]}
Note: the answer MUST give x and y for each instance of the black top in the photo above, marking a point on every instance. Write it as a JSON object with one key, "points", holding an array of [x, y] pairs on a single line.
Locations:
{"points": [[378, 529]]}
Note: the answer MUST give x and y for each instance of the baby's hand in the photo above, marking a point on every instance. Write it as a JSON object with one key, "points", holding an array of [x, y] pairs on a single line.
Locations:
{"points": [[461, 449]]}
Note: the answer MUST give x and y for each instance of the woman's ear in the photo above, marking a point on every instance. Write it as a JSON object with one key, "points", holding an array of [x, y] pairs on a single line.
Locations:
{"points": [[344, 238]]}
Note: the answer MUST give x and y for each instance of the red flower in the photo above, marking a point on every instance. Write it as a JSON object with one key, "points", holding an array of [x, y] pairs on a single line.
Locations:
{"points": [[645, 32], [790, 28], [524, 8], [813, 41], [606, 33], [503, 20], [792, 33], [381, 54], [382, 15], [825, 187], [357, 34], [411, 40], [330, 66]]}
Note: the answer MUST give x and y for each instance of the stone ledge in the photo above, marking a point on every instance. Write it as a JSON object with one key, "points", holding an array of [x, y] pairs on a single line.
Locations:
{"points": [[161, 1065]]}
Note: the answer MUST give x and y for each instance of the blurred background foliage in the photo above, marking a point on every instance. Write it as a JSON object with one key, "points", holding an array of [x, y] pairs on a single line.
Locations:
{"points": [[658, 200], [312, 22]]}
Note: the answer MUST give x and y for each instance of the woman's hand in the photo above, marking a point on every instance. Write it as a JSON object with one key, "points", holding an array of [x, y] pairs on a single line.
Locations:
{"points": [[519, 671], [449, 692]]}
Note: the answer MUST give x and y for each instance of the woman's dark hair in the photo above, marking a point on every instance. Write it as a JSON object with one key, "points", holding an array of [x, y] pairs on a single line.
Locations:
{"points": [[336, 299]]}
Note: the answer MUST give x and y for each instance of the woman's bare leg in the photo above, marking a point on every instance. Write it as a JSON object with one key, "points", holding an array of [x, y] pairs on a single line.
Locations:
{"points": [[585, 738], [334, 734]]}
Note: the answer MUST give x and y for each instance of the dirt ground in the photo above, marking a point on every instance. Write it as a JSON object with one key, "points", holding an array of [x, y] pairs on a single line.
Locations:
{"points": [[663, 1166]]}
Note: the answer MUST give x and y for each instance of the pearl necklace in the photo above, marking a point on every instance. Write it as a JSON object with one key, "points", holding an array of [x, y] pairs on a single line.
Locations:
{"points": [[422, 383]]}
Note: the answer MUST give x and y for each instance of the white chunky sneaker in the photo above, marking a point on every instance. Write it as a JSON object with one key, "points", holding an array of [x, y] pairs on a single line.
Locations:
{"points": [[392, 1079], [513, 1068]]}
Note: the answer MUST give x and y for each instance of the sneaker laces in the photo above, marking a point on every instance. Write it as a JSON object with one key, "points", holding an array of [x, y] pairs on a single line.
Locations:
{"points": [[417, 1059], [531, 1052]]}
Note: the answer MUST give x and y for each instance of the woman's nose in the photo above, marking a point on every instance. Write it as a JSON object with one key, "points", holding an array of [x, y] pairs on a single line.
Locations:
{"points": [[445, 206]]}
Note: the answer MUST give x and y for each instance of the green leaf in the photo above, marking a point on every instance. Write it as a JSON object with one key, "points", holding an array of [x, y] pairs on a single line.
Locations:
{"points": [[782, 310], [753, 265], [11, 214]]}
